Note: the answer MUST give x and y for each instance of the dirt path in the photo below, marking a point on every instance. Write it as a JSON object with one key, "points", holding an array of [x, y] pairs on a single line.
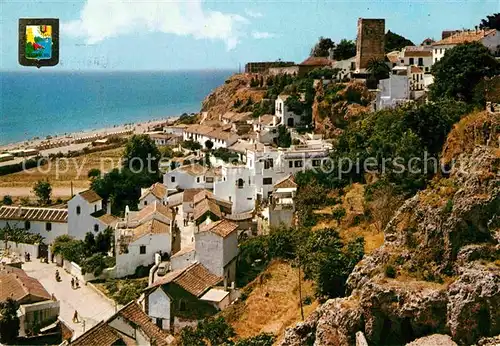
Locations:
{"points": [[27, 191]]}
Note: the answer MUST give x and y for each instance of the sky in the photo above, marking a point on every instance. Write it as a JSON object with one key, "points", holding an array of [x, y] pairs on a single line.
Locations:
{"points": [[193, 34]]}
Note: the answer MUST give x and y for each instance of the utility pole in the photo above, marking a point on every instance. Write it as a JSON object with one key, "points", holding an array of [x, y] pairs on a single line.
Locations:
{"points": [[300, 293], [72, 195]]}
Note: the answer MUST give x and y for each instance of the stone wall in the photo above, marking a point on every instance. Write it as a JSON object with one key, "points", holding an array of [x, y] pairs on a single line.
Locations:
{"points": [[370, 41]]}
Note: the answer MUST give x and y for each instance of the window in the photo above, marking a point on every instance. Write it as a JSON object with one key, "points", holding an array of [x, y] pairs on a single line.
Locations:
{"points": [[95, 208], [159, 323], [353, 65], [78, 210], [268, 163], [427, 69], [27, 225], [240, 183], [145, 202], [267, 181], [209, 180], [142, 249], [197, 179], [290, 164], [412, 61], [96, 228], [420, 61], [48, 227], [316, 163], [402, 61], [298, 163], [172, 179]]}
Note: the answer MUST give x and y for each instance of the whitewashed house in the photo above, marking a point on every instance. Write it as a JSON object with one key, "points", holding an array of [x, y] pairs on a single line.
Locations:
{"points": [[489, 38], [203, 133], [347, 67], [175, 300], [157, 193], [285, 116], [420, 56], [266, 127], [162, 139], [207, 205], [282, 206], [143, 234], [392, 92], [236, 186], [192, 176], [86, 214], [416, 78], [48, 222]]}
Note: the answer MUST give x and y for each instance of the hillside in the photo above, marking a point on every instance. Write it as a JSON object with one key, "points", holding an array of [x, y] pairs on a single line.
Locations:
{"points": [[438, 270], [223, 98]]}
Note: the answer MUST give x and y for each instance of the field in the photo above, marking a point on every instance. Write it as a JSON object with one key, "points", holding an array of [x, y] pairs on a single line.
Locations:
{"points": [[60, 173], [273, 303]]}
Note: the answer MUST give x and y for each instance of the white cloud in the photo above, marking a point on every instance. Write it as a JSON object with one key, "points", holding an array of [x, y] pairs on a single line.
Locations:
{"points": [[253, 14], [262, 34], [100, 20]]}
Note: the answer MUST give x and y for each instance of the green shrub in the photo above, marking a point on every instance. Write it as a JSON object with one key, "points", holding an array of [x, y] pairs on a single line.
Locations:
{"points": [[390, 271]]}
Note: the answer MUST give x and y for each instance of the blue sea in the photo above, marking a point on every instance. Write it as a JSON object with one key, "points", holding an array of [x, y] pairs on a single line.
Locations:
{"points": [[41, 103]]}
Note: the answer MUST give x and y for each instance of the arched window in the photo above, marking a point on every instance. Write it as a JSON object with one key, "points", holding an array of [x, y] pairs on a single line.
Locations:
{"points": [[240, 183], [96, 228], [27, 225], [78, 210]]}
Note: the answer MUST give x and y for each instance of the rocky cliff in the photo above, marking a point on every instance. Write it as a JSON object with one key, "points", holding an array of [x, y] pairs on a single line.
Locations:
{"points": [[235, 90], [439, 268]]}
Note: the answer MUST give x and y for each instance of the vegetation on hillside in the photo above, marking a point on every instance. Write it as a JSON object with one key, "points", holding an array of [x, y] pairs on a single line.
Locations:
{"points": [[394, 42]]}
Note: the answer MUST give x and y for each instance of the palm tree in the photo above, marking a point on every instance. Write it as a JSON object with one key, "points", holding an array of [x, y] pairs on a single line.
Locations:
{"points": [[378, 68]]}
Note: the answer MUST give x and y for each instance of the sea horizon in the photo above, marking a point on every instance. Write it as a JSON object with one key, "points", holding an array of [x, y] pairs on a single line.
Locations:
{"points": [[66, 101]]}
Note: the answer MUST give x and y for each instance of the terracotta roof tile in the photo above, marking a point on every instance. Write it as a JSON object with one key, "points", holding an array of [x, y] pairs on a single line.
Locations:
{"points": [[466, 36], [193, 169], [150, 227], [199, 129], [417, 51], [188, 194], [416, 69], [33, 214], [316, 61], [158, 190], [286, 182], [90, 196], [101, 334], [155, 208], [133, 313], [222, 228], [16, 284], [206, 205]]}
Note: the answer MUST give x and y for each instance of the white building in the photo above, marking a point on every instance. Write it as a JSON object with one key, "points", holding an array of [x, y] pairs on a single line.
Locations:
{"points": [[162, 138], [48, 222], [416, 78], [216, 247], [143, 234], [489, 38], [285, 116], [157, 193], [192, 176], [347, 68], [420, 56], [203, 133], [86, 214], [282, 206], [266, 127], [392, 92]]}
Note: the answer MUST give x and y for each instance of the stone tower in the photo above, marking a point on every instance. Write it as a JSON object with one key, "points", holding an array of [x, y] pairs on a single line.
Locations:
{"points": [[370, 41]]}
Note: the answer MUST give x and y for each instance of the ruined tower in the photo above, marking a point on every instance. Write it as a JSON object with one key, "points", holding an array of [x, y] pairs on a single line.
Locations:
{"points": [[370, 41]]}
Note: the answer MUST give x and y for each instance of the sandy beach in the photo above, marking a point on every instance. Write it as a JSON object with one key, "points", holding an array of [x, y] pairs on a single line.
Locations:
{"points": [[136, 128]]}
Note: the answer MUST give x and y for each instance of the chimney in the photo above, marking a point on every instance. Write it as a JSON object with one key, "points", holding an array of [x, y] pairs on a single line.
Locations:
{"points": [[127, 211]]}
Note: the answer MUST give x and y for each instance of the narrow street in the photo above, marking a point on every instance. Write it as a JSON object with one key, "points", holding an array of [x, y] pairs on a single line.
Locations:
{"points": [[92, 307]]}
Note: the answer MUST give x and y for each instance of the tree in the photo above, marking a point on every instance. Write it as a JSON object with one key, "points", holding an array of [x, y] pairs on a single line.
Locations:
{"points": [[89, 244], [191, 145], [42, 190], [378, 69], [284, 139], [460, 70], [491, 22], [7, 200], [141, 155], [384, 202], [394, 42], [9, 322], [322, 48], [344, 50], [211, 331], [264, 339], [94, 173], [209, 144]]}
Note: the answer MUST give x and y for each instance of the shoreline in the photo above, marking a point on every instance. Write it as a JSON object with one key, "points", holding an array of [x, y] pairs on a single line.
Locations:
{"points": [[136, 127]]}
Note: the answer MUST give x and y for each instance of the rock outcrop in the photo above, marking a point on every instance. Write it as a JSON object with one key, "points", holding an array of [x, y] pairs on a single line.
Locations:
{"points": [[236, 90], [438, 270]]}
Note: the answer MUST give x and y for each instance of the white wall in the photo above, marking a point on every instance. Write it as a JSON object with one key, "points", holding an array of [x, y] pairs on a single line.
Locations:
{"points": [[210, 252], [126, 263], [427, 62], [492, 42], [39, 227], [393, 91], [148, 200], [21, 249], [439, 51], [183, 180], [159, 306], [182, 261], [285, 115], [242, 198], [80, 224]]}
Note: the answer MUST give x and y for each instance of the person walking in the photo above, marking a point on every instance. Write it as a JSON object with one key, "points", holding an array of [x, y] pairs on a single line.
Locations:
{"points": [[75, 317], [73, 283], [77, 284]]}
